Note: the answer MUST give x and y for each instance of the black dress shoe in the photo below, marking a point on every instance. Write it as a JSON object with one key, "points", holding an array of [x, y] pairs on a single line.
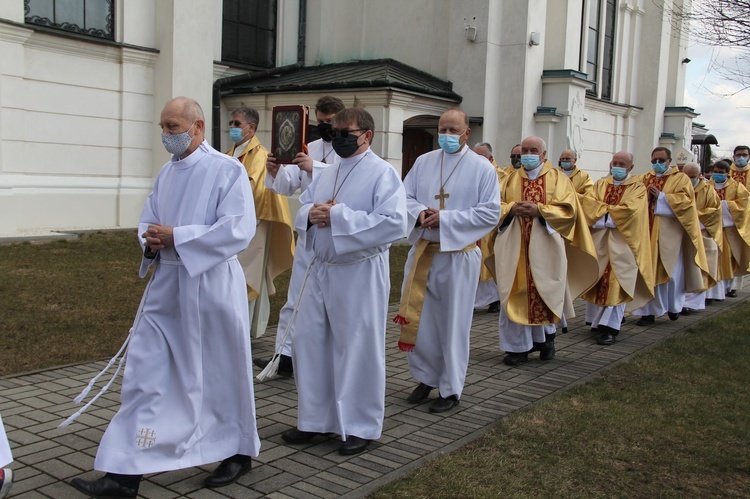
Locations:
{"points": [[588, 323], [353, 445], [673, 316], [420, 394], [646, 320], [606, 337], [709, 301], [444, 404], [229, 471], [494, 308], [295, 436], [547, 352], [515, 359], [687, 311], [103, 487], [564, 330], [732, 293], [286, 368]]}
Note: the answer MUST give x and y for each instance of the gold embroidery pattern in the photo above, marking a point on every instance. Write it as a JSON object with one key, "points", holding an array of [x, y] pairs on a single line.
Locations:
{"points": [[602, 287], [740, 177], [614, 193], [533, 190], [658, 182], [722, 193], [145, 438]]}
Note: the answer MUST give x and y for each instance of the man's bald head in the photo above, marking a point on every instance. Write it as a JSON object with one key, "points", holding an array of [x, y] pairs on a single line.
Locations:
{"points": [[534, 146]]}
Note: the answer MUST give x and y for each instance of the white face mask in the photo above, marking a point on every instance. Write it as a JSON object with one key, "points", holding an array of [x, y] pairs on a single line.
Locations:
{"points": [[177, 143]]}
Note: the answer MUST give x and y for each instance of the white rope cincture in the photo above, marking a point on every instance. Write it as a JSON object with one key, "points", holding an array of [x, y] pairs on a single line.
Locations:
{"points": [[272, 369], [121, 354]]}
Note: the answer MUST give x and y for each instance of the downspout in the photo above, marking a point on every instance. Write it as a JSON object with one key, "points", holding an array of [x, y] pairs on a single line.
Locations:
{"points": [[301, 32]]}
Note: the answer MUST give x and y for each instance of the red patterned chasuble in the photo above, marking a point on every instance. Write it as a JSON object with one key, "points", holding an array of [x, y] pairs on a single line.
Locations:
{"points": [[722, 193], [535, 191], [740, 177], [612, 197], [658, 182]]}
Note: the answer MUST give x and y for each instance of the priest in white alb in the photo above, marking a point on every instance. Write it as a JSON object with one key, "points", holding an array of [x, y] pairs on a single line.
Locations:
{"points": [[453, 198], [187, 390], [350, 215]]}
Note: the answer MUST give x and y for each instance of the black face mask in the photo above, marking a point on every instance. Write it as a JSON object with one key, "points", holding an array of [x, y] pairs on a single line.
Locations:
{"points": [[324, 129], [515, 160], [345, 147]]}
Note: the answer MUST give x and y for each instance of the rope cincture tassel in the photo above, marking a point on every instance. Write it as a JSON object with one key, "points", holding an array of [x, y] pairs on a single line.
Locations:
{"points": [[122, 356], [271, 370]]}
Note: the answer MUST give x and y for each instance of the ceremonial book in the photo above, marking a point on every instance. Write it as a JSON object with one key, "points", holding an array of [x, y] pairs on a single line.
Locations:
{"points": [[289, 132]]}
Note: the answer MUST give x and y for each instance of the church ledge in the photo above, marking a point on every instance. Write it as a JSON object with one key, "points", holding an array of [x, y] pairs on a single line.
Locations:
{"points": [[565, 73], [76, 36]]}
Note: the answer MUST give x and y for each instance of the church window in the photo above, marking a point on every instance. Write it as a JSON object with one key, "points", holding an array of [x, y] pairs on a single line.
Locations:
{"points": [[598, 43], [249, 32], [86, 17]]}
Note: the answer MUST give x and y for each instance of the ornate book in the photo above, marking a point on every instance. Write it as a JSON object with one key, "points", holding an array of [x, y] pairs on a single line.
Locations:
{"points": [[289, 132]]}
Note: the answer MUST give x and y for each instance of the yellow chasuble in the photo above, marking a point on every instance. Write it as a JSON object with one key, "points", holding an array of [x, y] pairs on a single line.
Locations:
{"points": [[582, 182], [270, 207], [709, 213], [540, 274], [735, 258], [740, 175], [625, 270], [667, 233], [485, 244]]}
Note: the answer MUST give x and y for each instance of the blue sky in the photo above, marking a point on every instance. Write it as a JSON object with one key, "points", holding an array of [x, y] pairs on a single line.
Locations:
{"points": [[727, 117]]}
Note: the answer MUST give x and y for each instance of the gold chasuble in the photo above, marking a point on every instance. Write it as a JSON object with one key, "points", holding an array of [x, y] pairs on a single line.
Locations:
{"points": [[667, 233], [735, 258], [708, 204], [277, 254], [625, 270], [485, 244], [582, 182], [740, 175], [540, 272]]}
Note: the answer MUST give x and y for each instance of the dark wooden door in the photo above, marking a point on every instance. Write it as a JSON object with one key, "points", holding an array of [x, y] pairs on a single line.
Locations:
{"points": [[416, 142]]}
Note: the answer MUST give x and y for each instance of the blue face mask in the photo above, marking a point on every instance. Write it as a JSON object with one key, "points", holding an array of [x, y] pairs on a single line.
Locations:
{"points": [[695, 182], [566, 165], [618, 172], [719, 178], [235, 134], [529, 161], [740, 161], [449, 143], [659, 167]]}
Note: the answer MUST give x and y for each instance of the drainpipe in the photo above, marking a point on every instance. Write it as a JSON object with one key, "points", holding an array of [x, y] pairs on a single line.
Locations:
{"points": [[301, 32]]}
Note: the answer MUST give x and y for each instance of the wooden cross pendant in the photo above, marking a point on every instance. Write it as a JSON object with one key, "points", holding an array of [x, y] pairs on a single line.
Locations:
{"points": [[442, 197]]}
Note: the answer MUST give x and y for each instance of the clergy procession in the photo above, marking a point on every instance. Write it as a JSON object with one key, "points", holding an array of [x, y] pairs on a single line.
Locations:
{"points": [[525, 240]]}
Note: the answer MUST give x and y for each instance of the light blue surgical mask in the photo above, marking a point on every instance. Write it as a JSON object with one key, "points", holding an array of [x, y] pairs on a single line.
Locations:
{"points": [[566, 165], [619, 173], [695, 182], [177, 143], [235, 134], [740, 161], [719, 178], [529, 161], [449, 143], [659, 167]]}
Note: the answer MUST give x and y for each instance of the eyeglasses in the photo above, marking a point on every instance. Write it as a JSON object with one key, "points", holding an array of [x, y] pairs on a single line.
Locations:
{"points": [[658, 160], [236, 123], [336, 134], [515, 156]]}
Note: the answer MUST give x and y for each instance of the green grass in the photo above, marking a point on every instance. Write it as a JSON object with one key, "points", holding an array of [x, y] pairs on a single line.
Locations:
{"points": [[674, 422], [74, 301]]}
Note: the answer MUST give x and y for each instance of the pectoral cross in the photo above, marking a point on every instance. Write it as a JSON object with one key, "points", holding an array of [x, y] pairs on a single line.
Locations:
{"points": [[442, 197]]}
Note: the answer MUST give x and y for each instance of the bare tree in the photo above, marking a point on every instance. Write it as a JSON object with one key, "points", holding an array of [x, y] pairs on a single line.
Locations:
{"points": [[720, 23]]}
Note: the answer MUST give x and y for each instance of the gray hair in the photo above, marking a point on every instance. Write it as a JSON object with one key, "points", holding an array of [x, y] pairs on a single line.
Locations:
{"points": [[691, 166], [249, 114], [484, 144]]}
